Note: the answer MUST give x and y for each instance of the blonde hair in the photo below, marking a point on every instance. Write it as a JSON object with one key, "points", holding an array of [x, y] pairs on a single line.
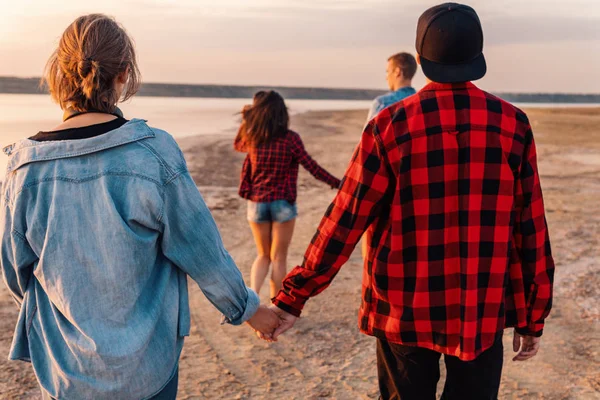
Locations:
{"points": [[92, 52]]}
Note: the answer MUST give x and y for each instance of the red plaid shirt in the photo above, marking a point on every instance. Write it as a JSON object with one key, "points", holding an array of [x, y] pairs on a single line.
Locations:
{"points": [[446, 185], [270, 171]]}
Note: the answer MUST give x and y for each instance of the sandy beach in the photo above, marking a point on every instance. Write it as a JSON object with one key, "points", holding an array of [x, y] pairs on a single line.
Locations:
{"points": [[325, 356]]}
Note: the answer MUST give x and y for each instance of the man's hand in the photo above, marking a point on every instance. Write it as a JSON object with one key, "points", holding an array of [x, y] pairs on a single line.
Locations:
{"points": [[528, 345], [264, 322], [287, 321]]}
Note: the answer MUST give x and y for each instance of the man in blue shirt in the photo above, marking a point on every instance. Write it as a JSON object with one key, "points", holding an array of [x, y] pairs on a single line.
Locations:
{"points": [[401, 69]]}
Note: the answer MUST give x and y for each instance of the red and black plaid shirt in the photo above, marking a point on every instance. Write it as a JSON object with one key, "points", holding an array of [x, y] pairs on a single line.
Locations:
{"points": [[446, 185], [270, 171]]}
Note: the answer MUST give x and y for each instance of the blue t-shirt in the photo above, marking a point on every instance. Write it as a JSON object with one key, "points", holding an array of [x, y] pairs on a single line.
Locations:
{"points": [[388, 99]]}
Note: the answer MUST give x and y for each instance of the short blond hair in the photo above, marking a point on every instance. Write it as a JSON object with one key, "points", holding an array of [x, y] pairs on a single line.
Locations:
{"points": [[407, 64]]}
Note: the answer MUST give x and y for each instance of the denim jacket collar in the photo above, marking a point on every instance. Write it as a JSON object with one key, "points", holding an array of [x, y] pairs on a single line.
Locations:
{"points": [[28, 151]]}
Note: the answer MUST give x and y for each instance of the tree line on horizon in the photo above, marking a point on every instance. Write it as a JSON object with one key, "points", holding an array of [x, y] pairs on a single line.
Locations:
{"points": [[14, 85]]}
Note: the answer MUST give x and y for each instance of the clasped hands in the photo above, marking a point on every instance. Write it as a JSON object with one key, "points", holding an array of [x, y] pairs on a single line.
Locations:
{"points": [[271, 321]]}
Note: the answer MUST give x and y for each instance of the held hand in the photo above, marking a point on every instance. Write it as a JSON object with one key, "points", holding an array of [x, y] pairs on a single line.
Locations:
{"points": [[287, 321], [528, 345], [264, 322]]}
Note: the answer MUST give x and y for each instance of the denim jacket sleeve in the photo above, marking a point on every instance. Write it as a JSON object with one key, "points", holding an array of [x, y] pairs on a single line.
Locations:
{"points": [[17, 257], [192, 241]]}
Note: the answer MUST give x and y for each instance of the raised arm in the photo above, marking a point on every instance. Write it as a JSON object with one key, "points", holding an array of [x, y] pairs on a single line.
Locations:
{"points": [[238, 143], [302, 156]]}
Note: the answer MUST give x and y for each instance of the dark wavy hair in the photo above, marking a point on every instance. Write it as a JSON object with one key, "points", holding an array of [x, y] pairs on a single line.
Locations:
{"points": [[267, 118]]}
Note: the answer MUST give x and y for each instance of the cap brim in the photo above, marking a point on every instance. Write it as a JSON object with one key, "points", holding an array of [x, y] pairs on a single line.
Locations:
{"points": [[452, 73]]}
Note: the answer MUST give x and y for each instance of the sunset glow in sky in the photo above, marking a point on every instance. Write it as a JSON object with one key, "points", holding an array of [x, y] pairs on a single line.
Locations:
{"points": [[530, 45]]}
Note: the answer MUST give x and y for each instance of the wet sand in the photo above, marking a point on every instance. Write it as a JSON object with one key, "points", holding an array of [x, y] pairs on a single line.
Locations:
{"points": [[325, 356]]}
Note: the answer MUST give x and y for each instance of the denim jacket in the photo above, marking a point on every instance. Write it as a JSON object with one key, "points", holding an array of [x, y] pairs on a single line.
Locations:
{"points": [[98, 238]]}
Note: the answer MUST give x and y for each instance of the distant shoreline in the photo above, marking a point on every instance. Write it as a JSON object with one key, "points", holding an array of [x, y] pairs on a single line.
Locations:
{"points": [[13, 85]]}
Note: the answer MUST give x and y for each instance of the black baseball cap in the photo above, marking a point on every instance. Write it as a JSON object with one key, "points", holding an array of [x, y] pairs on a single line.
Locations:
{"points": [[450, 44]]}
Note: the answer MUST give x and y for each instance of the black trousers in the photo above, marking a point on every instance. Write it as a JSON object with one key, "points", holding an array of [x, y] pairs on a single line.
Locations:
{"points": [[407, 373]]}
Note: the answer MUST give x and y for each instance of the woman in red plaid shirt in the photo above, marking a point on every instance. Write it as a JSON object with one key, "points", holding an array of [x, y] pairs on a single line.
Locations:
{"points": [[269, 182]]}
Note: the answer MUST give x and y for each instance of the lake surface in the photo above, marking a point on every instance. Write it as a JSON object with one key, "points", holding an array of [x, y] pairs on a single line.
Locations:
{"points": [[23, 115]]}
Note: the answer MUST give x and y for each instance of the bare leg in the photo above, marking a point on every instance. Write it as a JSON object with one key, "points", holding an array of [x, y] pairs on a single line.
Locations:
{"points": [[364, 247], [282, 237], [260, 267]]}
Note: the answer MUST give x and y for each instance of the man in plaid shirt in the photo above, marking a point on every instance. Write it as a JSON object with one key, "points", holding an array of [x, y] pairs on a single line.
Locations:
{"points": [[446, 183]]}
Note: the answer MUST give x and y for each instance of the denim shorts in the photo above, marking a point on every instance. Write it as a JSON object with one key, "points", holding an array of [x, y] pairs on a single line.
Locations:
{"points": [[276, 211]]}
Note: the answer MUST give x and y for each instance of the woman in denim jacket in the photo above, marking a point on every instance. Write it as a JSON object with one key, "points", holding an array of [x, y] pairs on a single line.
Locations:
{"points": [[101, 225]]}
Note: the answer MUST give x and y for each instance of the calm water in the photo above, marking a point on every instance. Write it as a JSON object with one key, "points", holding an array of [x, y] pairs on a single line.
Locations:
{"points": [[23, 115]]}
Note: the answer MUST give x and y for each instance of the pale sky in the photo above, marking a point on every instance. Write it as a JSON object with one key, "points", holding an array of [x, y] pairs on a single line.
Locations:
{"points": [[530, 45]]}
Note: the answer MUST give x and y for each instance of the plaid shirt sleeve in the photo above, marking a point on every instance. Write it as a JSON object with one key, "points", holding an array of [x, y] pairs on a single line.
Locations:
{"points": [[532, 243], [366, 182], [302, 156]]}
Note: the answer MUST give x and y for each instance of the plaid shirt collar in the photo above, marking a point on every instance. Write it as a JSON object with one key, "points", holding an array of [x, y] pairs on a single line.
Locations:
{"points": [[437, 86]]}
